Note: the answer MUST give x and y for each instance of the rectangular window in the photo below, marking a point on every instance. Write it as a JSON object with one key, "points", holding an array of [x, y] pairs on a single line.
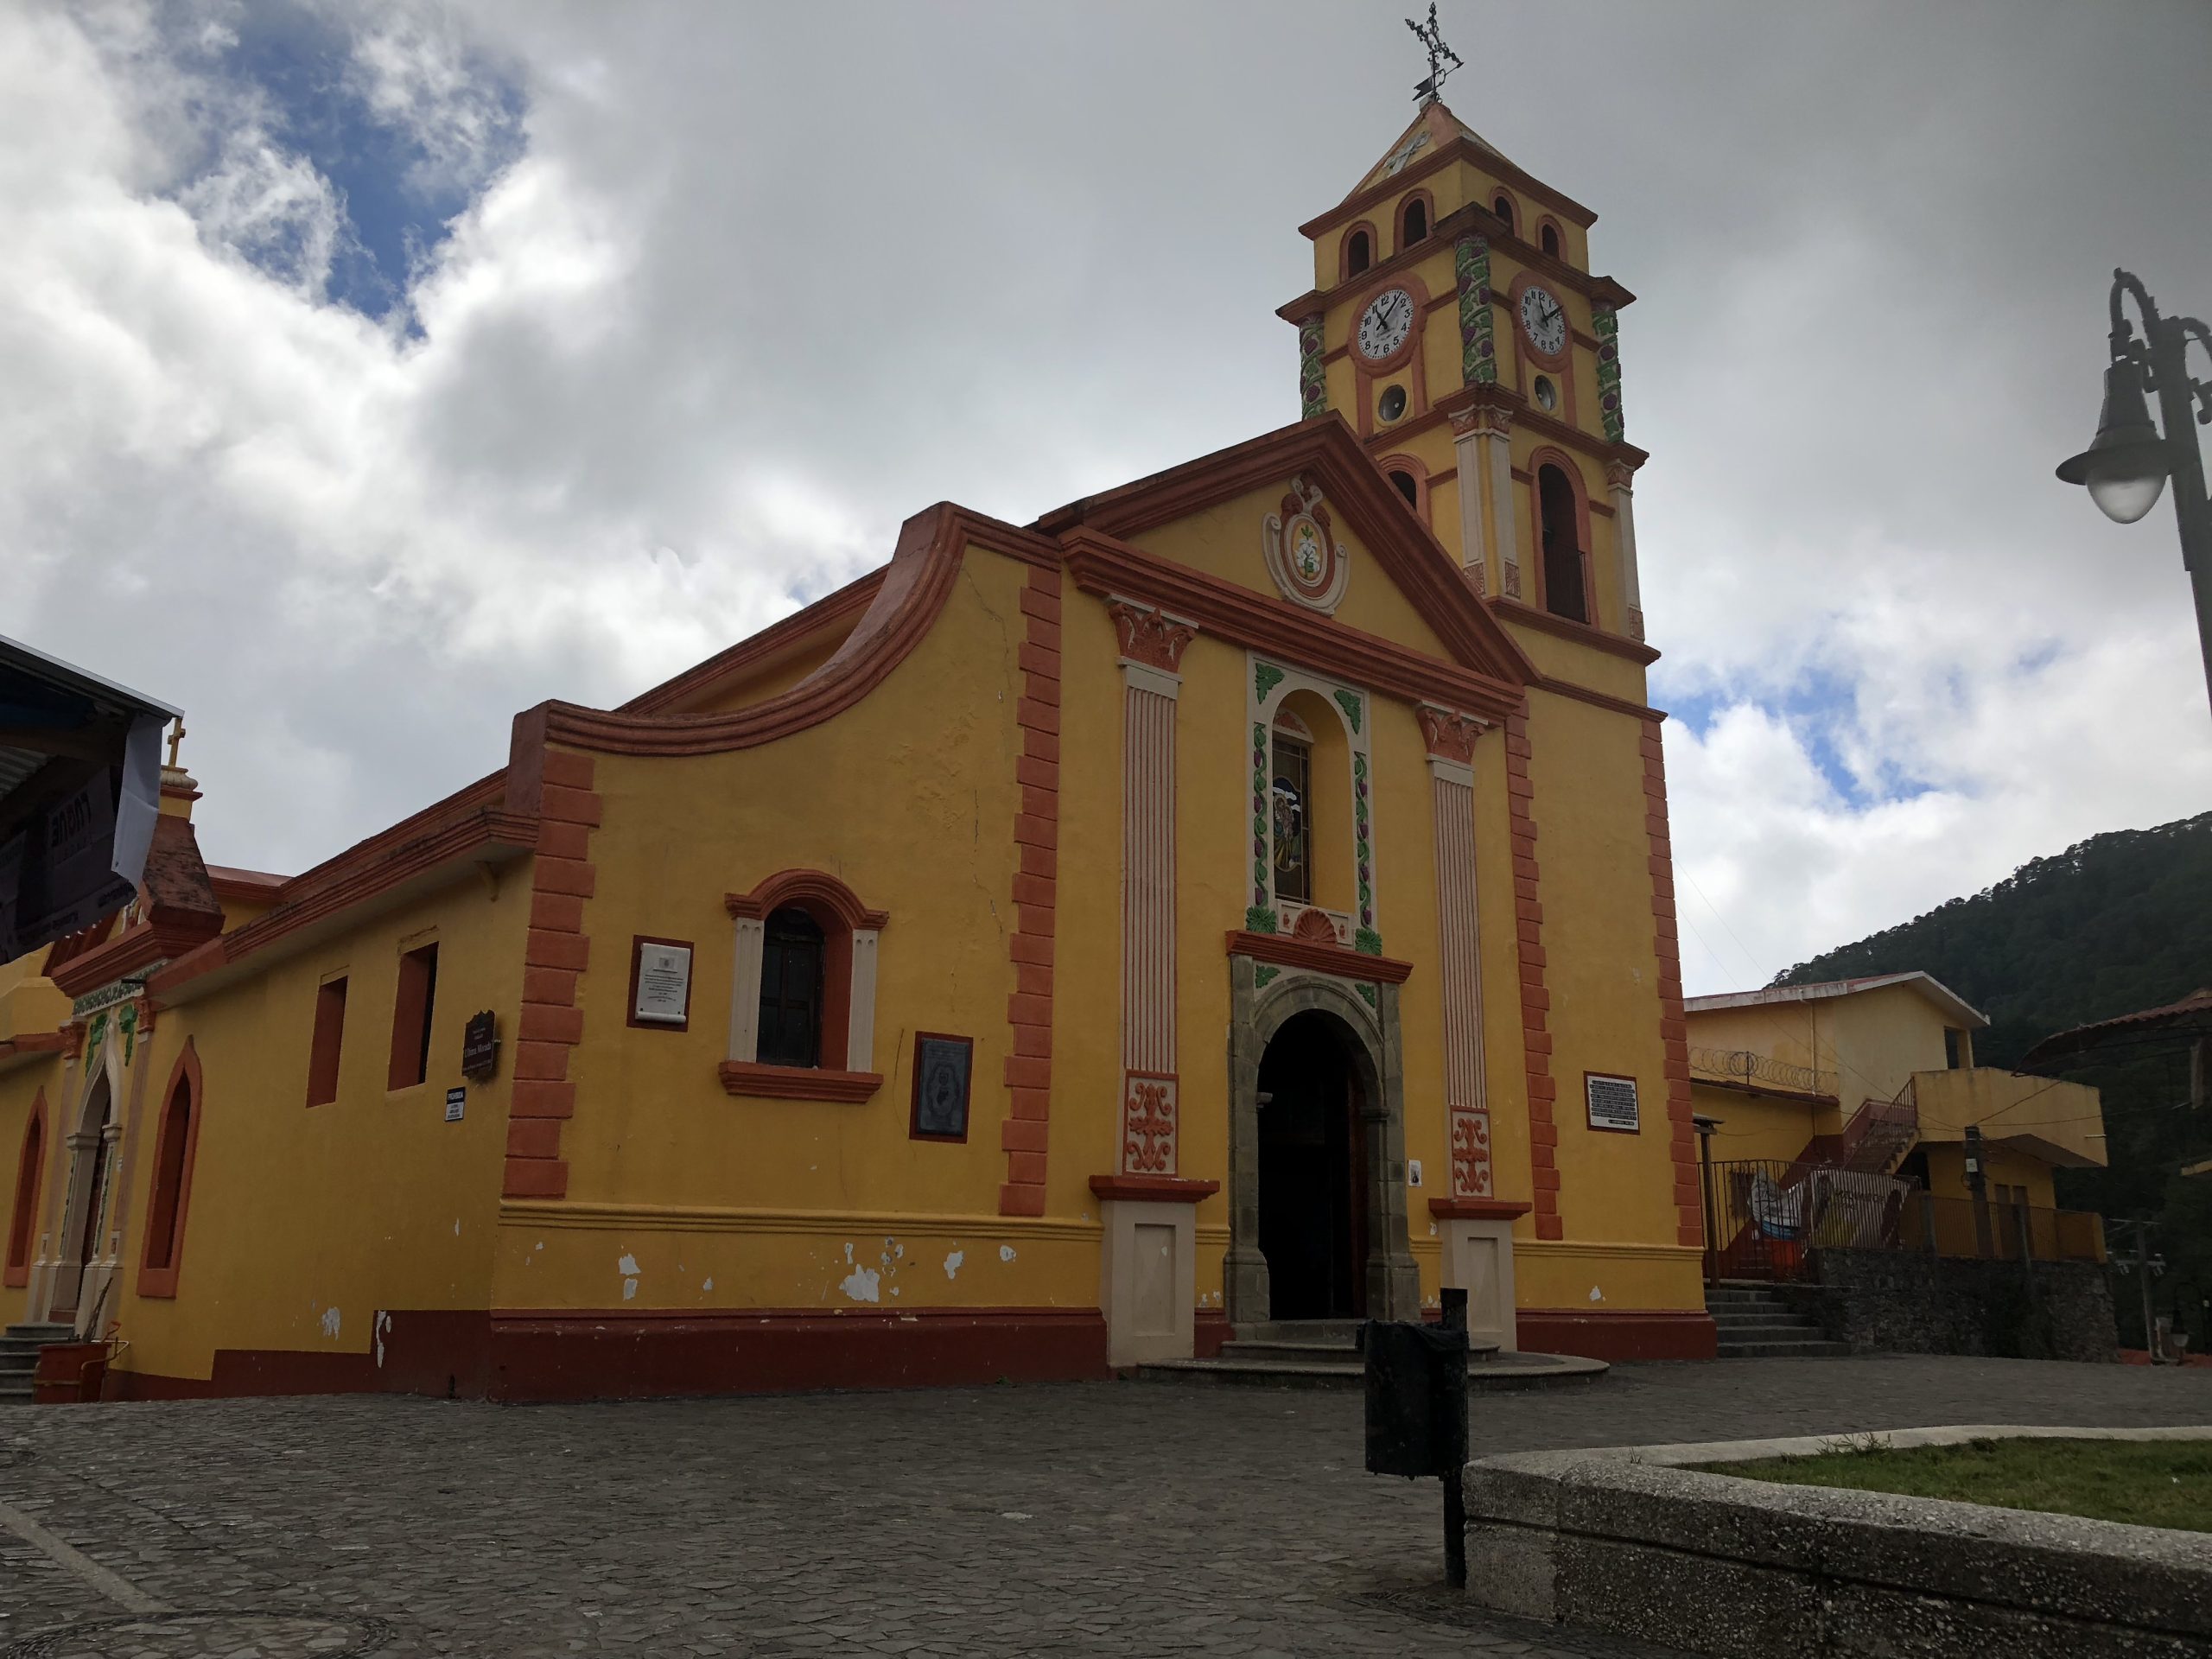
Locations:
{"points": [[410, 1018], [791, 954], [329, 1034], [1289, 795]]}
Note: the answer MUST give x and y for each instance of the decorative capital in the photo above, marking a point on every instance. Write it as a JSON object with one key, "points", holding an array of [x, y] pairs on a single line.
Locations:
{"points": [[1150, 637], [1620, 475], [1482, 417], [1635, 622], [1451, 734]]}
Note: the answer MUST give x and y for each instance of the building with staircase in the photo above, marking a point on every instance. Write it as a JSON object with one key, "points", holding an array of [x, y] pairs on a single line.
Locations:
{"points": [[1226, 907], [1851, 1113]]}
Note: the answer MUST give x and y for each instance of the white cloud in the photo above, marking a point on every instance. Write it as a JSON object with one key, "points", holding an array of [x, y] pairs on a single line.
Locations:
{"points": [[734, 291]]}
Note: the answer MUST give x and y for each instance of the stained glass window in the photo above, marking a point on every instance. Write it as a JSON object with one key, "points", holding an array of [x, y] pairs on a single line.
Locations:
{"points": [[1293, 772], [791, 990]]}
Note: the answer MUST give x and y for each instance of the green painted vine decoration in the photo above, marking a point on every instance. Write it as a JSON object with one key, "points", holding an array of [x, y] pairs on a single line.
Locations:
{"points": [[1477, 346], [1607, 323], [1367, 993], [1265, 678], [1259, 819], [1367, 941], [127, 1023], [1260, 920], [1363, 846], [1263, 976], [1312, 379], [1351, 703]]}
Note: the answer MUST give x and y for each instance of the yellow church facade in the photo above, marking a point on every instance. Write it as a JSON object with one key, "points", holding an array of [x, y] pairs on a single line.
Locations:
{"points": [[1239, 897]]}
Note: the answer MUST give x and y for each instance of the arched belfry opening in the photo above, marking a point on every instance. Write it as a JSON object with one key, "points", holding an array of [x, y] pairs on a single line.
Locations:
{"points": [[1313, 1175], [1562, 546]]}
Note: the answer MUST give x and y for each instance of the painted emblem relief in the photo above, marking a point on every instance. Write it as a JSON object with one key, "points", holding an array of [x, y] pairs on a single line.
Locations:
{"points": [[1470, 1167], [1306, 562], [1149, 1125]]}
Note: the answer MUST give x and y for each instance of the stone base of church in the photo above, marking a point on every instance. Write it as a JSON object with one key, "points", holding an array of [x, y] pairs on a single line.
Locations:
{"points": [[550, 1355], [1627, 1335]]}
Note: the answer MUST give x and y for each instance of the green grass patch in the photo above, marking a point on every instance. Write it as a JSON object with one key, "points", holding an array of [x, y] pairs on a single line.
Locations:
{"points": [[2145, 1483]]}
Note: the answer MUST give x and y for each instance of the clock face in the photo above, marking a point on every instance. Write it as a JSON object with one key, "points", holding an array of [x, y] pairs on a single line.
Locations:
{"points": [[1544, 320], [1385, 324]]}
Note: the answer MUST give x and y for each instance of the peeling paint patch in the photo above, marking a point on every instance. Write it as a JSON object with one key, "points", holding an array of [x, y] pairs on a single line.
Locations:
{"points": [[629, 1289], [709, 1285], [860, 1285], [952, 1263], [456, 1226], [627, 1267], [1006, 1252], [1596, 1294], [330, 1322], [379, 1326]]}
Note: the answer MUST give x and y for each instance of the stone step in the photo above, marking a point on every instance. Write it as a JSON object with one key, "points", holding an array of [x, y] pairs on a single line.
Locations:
{"points": [[1798, 1350], [1763, 1311], [1501, 1371], [43, 1330], [1778, 1330], [1307, 1353], [1327, 1333]]}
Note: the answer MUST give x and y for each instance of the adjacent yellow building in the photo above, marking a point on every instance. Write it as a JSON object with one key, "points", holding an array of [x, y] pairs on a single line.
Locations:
{"points": [[1241, 896]]}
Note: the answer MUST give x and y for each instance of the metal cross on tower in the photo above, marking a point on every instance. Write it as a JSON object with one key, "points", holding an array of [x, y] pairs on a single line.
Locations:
{"points": [[1442, 60]]}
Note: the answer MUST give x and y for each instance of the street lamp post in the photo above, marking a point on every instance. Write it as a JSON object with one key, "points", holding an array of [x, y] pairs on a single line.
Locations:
{"points": [[2129, 462]]}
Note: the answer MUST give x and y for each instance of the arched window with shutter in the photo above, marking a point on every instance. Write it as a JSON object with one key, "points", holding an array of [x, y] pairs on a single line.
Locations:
{"points": [[791, 989], [23, 1219], [1558, 518], [171, 1197]]}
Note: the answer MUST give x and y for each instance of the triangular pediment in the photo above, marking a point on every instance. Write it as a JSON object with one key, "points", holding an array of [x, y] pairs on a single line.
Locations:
{"points": [[1429, 132], [1314, 471]]}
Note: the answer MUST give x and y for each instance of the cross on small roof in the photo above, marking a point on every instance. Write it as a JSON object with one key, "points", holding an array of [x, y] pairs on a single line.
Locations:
{"points": [[176, 740], [1431, 37]]}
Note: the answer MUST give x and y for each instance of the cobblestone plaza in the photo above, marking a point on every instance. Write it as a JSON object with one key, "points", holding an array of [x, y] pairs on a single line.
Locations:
{"points": [[1108, 1518]]}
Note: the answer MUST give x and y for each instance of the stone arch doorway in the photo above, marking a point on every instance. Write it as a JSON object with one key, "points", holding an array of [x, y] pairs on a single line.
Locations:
{"points": [[82, 1243], [1333, 1166], [1312, 1172]]}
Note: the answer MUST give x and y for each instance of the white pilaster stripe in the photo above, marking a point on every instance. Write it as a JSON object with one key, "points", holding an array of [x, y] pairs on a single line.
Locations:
{"points": [[1501, 502], [747, 940]]}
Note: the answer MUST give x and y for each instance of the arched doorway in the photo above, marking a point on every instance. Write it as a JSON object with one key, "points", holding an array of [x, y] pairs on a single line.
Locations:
{"points": [[1317, 1218], [91, 1152], [1313, 1173]]}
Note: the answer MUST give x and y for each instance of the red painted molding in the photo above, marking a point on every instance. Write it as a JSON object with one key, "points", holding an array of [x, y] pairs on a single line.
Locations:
{"points": [[1566, 627], [1150, 637], [40, 1042], [1318, 958], [1024, 1135], [1598, 699], [1375, 256], [1154, 1189], [757, 1082], [915, 586], [556, 953], [730, 668], [1536, 997], [1674, 1030], [1244, 617], [805, 888], [1326, 452], [159, 1279], [1611, 1336], [1477, 1209]]}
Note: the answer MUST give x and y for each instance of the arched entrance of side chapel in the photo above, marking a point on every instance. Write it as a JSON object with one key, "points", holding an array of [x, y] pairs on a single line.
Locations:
{"points": [[82, 1247], [1316, 1150]]}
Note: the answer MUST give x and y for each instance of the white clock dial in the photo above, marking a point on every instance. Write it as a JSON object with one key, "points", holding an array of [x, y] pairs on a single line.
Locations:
{"points": [[1385, 324], [1544, 321]]}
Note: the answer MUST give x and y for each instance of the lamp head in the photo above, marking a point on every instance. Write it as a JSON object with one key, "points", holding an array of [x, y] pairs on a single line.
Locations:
{"points": [[2125, 465]]}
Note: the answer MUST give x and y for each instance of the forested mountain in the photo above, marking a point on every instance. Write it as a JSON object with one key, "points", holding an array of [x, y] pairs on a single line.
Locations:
{"points": [[2115, 924]]}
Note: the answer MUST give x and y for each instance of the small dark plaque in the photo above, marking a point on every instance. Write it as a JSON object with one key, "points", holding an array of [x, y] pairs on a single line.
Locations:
{"points": [[941, 1064], [480, 1045]]}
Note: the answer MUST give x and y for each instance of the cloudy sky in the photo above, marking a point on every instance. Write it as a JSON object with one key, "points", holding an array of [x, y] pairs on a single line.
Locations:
{"points": [[368, 373]]}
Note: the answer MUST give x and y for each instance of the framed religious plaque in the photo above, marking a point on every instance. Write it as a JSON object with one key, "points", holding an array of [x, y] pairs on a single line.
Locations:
{"points": [[942, 1068], [660, 983], [479, 1046], [1611, 1103]]}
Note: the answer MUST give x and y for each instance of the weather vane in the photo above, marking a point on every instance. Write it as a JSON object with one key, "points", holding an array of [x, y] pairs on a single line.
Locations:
{"points": [[1442, 60]]}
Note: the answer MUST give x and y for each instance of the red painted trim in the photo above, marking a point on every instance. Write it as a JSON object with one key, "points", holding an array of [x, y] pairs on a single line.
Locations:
{"points": [[1412, 467], [556, 950], [916, 584], [327, 1042], [1326, 452], [814, 890], [1559, 232], [1210, 1329], [160, 1279], [1477, 1209], [775, 645], [412, 1010], [757, 1082], [30, 1171], [1674, 1027], [1685, 1335], [1154, 1189], [638, 943], [1036, 902], [36, 1043], [1241, 616], [1508, 215], [1318, 958], [1535, 999]]}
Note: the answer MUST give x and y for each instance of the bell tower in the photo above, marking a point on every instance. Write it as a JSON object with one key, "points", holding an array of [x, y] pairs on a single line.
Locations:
{"points": [[1454, 322]]}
